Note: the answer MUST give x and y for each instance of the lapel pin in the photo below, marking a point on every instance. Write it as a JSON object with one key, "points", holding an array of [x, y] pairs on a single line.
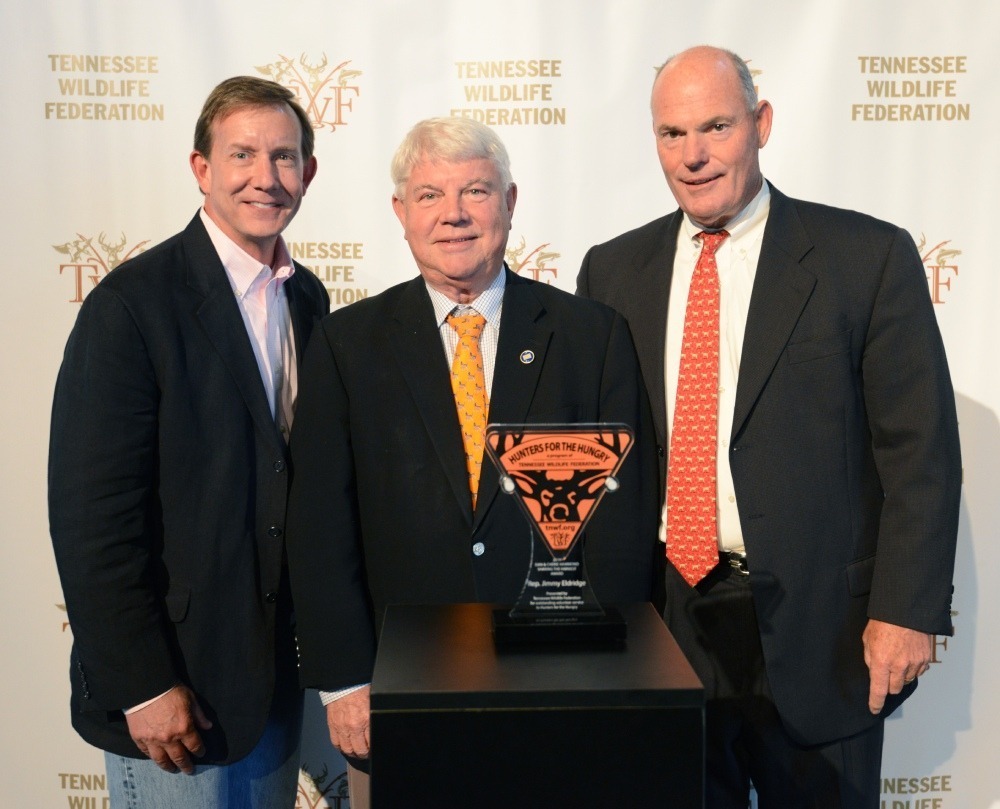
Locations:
{"points": [[527, 357]]}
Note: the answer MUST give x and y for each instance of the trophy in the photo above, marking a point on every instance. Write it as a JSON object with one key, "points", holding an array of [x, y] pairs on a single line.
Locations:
{"points": [[558, 473]]}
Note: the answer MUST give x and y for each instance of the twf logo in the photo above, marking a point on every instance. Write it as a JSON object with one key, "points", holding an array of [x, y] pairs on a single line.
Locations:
{"points": [[321, 791], [90, 263], [325, 94], [939, 264], [534, 263]]}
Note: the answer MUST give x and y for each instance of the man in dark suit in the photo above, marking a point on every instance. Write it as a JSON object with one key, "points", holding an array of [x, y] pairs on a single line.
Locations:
{"points": [[834, 498], [169, 474], [384, 508]]}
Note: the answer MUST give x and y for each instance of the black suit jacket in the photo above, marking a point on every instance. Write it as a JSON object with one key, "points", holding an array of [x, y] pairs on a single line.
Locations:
{"points": [[844, 449], [380, 511], [168, 482]]}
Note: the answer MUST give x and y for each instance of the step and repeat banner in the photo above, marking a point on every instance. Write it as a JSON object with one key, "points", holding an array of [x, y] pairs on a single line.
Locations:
{"points": [[890, 108]]}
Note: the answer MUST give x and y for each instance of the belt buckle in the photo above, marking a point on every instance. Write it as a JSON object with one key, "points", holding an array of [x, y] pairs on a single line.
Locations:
{"points": [[738, 562]]}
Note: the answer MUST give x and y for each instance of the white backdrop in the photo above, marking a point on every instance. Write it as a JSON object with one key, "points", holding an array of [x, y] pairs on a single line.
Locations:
{"points": [[890, 108]]}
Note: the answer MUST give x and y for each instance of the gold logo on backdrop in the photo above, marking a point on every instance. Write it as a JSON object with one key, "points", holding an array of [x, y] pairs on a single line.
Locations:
{"points": [[939, 266], [336, 264], [65, 623], [77, 785], [535, 263], [511, 92], [88, 263], [326, 94], [754, 73], [316, 791], [912, 88]]}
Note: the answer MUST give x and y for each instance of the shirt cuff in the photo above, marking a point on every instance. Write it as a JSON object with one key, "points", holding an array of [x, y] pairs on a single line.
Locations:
{"points": [[326, 697], [147, 703]]}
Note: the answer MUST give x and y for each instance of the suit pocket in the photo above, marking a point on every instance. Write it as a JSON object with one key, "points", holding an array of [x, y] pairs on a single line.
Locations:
{"points": [[859, 576], [817, 349], [177, 602]]}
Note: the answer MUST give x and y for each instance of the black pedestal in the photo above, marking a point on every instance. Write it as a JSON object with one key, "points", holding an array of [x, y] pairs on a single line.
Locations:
{"points": [[458, 723]]}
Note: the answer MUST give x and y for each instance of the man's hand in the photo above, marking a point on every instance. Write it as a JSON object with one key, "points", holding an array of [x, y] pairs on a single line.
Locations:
{"points": [[895, 656], [167, 730], [348, 720]]}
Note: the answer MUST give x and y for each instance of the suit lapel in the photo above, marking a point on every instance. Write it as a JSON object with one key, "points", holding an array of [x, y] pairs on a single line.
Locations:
{"points": [[780, 291], [219, 315], [523, 328], [302, 313], [642, 298], [416, 342]]}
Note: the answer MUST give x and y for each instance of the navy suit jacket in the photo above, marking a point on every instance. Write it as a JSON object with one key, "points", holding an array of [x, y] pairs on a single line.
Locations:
{"points": [[380, 511], [168, 482], [844, 449]]}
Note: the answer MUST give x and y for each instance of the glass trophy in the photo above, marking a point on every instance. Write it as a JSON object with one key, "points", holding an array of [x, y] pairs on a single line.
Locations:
{"points": [[558, 474]]}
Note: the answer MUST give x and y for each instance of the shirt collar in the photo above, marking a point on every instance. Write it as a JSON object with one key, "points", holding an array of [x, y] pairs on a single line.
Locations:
{"points": [[740, 226], [242, 268], [488, 304]]}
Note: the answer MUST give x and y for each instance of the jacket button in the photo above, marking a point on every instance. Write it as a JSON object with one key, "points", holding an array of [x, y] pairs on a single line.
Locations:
{"points": [[271, 597], [279, 466], [274, 531], [478, 549], [659, 450]]}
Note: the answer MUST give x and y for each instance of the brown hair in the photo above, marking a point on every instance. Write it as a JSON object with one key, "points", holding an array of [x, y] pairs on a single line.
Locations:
{"points": [[240, 92]]}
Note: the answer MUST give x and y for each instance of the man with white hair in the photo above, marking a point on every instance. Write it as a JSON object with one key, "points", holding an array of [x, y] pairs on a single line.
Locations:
{"points": [[387, 504]]}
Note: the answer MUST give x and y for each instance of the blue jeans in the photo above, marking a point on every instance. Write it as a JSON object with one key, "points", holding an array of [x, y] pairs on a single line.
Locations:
{"points": [[267, 778]]}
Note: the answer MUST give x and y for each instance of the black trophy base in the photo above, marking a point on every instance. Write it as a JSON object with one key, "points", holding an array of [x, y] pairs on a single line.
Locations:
{"points": [[608, 629]]}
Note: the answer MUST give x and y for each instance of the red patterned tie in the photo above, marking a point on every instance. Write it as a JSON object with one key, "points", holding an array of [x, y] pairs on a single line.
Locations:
{"points": [[692, 528], [468, 383]]}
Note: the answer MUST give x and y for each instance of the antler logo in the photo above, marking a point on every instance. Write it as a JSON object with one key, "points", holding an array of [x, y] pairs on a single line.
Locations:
{"points": [[939, 265], [325, 94], [534, 263], [93, 263], [316, 791], [558, 475]]}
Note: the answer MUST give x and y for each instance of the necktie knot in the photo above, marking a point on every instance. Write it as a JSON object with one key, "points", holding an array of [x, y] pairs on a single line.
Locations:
{"points": [[467, 325], [710, 241]]}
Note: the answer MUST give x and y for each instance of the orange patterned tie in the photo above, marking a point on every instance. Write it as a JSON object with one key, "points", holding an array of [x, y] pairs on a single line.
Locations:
{"points": [[692, 528], [468, 383]]}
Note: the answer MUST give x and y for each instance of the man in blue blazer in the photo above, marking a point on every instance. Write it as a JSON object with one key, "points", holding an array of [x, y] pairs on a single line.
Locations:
{"points": [[838, 469], [381, 510], [169, 473]]}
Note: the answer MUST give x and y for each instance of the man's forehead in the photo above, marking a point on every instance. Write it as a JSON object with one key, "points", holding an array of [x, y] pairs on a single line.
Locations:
{"points": [[703, 98], [238, 114], [473, 169]]}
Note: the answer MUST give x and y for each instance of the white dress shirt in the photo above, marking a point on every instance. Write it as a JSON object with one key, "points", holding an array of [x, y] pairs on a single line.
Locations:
{"points": [[736, 260], [262, 301], [490, 305]]}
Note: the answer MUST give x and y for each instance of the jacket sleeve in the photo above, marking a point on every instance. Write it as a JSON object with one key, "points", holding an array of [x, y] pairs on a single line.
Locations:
{"points": [[333, 615], [102, 504], [911, 412]]}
